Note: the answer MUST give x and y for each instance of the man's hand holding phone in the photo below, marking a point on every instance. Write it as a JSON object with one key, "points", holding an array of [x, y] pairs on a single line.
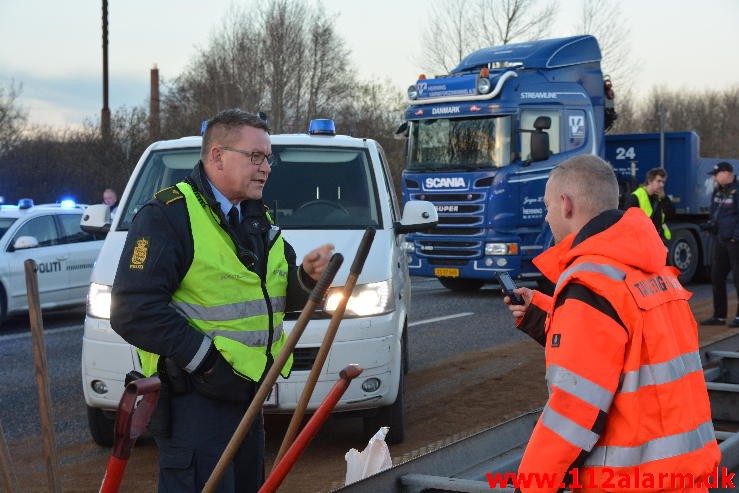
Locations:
{"points": [[516, 298]]}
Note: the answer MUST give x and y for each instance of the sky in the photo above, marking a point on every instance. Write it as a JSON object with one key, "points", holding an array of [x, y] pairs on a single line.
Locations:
{"points": [[54, 48]]}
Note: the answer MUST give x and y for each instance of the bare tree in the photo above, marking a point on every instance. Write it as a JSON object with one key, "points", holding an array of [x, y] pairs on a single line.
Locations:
{"points": [[12, 117], [604, 20], [459, 27]]}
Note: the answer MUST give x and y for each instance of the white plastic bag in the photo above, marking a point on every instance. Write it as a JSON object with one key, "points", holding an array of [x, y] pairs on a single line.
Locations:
{"points": [[373, 459]]}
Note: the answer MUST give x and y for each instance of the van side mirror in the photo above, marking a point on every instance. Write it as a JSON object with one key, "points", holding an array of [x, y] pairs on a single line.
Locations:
{"points": [[96, 219], [418, 215]]}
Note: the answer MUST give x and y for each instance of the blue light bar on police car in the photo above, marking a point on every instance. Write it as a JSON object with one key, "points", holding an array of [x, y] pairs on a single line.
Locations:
{"points": [[322, 127], [25, 203], [68, 203]]}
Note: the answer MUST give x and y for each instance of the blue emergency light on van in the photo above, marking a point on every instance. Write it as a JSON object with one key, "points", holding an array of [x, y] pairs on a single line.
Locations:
{"points": [[322, 127]]}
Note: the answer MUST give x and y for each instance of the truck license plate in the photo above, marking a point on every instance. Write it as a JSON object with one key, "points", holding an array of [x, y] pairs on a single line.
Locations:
{"points": [[446, 272], [271, 400]]}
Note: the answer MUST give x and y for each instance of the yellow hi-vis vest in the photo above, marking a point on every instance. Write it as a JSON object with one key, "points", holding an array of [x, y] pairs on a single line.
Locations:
{"points": [[223, 299], [646, 206]]}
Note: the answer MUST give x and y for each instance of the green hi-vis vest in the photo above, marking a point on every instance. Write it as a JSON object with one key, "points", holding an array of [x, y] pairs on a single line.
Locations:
{"points": [[646, 206], [223, 299]]}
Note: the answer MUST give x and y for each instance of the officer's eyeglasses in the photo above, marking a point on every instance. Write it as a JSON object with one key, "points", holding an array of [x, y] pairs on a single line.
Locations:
{"points": [[257, 158]]}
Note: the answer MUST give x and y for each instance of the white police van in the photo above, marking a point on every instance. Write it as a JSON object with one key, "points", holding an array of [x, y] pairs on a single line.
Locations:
{"points": [[50, 234], [323, 188]]}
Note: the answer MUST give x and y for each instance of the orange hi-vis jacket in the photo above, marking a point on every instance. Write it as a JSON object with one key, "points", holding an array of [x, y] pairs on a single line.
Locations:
{"points": [[627, 396]]}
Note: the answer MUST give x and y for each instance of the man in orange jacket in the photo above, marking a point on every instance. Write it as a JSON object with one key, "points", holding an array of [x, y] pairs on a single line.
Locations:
{"points": [[627, 397]]}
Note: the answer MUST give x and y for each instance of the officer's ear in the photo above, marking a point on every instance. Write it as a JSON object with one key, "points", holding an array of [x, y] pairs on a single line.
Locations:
{"points": [[216, 157]]}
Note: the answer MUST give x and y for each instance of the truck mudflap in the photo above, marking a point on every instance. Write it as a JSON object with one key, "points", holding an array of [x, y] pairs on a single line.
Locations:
{"points": [[461, 464]]}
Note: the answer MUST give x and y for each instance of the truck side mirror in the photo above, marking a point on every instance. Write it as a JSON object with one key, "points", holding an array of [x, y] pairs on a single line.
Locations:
{"points": [[401, 132], [418, 215]]}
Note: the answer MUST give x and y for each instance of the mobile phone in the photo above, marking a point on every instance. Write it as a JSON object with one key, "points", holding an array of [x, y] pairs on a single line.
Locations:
{"points": [[507, 286]]}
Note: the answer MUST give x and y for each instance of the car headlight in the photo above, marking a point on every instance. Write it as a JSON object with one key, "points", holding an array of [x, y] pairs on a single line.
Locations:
{"points": [[367, 299], [98, 300]]}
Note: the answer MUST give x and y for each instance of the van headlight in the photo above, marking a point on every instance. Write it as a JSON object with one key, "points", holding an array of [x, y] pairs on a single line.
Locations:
{"points": [[98, 300], [368, 299]]}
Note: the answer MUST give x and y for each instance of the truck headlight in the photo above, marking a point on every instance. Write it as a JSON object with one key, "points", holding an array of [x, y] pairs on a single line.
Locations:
{"points": [[368, 299], [98, 300], [501, 248]]}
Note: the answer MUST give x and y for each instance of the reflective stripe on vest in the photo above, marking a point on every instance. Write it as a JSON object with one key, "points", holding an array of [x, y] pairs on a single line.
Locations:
{"points": [[660, 373], [569, 430], [645, 205], [659, 448], [605, 269], [580, 387], [231, 311]]}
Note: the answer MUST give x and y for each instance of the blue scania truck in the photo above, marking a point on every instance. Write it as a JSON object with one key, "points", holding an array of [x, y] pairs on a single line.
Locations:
{"points": [[482, 140]]}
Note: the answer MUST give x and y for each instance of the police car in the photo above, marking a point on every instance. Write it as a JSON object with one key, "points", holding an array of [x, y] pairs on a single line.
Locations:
{"points": [[322, 188], [51, 235]]}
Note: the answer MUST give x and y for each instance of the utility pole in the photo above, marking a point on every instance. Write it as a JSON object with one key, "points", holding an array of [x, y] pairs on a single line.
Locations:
{"points": [[105, 112], [154, 126]]}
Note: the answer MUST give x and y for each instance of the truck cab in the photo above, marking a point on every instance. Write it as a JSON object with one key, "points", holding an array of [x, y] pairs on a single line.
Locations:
{"points": [[322, 188], [480, 144]]}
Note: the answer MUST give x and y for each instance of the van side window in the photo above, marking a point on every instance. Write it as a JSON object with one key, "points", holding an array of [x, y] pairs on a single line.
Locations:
{"points": [[395, 209], [528, 117]]}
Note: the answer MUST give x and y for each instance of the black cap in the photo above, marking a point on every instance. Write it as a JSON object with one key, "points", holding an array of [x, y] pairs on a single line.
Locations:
{"points": [[722, 166]]}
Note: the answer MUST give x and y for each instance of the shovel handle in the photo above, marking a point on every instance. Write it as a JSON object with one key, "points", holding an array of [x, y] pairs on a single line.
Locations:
{"points": [[319, 290], [280, 470]]}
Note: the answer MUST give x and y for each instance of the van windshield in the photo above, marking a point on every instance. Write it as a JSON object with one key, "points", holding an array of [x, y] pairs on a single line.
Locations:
{"points": [[320, 187], [162, 169]]}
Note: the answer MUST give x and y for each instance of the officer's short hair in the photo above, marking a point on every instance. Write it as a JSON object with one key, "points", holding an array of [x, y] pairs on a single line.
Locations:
{"points": [[654, 173], [590, 180], [225, 122]]}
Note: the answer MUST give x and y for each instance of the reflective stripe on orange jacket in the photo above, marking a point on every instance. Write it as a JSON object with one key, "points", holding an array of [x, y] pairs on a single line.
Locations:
{"points": [[627, 395]]}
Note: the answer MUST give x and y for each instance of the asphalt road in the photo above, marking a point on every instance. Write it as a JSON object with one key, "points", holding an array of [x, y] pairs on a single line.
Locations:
{"points": [[442, 324]]}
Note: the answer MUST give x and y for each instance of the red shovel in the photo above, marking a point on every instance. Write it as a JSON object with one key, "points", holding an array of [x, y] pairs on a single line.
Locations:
{"points": [[130, 423], [280, 470]]}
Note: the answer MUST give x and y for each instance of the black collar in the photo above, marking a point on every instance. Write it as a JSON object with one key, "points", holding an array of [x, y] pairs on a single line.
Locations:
{"points": [[598, 224]]}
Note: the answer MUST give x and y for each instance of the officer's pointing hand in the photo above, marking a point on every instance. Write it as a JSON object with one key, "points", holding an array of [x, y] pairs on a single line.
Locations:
{"points": [[316, 261]]}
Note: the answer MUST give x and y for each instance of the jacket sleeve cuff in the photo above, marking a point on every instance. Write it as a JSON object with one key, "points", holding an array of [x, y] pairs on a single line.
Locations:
{"points": [[200, 355], [305, 281], [534, 320]]}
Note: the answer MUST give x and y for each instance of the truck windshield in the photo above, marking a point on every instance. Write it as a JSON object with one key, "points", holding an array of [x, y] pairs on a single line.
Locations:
{"points": [[320, 187], [5, 224], [460, 143]]}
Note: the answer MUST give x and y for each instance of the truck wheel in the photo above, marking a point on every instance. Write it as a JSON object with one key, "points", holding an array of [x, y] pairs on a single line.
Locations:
{"points": [[392, 415], [461, 284], [684, 255], [101, 426]]}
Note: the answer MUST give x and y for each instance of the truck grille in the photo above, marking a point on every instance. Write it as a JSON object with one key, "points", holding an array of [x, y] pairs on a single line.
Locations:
{"points": [[448, 249]]}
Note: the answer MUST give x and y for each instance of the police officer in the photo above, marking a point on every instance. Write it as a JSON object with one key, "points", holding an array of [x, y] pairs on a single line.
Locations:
{"points": [[724, 224], [201, 290]]}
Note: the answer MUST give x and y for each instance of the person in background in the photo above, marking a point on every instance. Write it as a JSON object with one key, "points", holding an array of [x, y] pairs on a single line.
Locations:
{"points": [[627, 396], [202, 287], [650, 197], [724, 225], [110, 198]]}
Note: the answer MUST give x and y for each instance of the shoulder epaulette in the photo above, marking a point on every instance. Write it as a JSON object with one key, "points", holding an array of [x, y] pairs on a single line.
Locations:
{"points": [[168, 195]]}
